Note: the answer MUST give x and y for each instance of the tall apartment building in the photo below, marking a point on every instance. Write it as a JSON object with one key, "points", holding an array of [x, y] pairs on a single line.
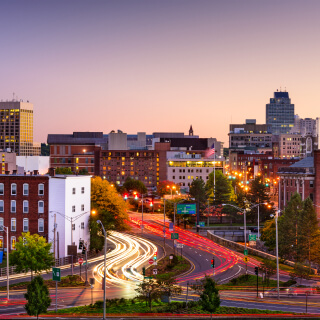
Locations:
{"points": [[280, 113], [16, 128]]}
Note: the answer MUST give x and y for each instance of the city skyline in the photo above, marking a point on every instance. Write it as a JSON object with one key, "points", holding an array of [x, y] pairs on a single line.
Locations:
{"points": [[158, 66]]}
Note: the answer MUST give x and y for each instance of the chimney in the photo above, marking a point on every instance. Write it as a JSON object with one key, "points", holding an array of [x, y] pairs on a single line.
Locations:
{"points": [[52, 172], [7, 172], [35, 172], [14, 172]]}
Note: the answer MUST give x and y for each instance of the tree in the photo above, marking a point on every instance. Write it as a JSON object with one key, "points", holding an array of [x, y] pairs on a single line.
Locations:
{"points": [[134, 185], [209, 294], [63, 170], [223, 188], [169, 287], [300, 271], [83, 172], [38, 297], [268, 267], [148, 291], [110, 209], [197, 191], [162, 187], [32, 254]]}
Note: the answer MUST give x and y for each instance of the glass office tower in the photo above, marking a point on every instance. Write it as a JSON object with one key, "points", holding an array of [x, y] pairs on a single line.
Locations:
{"points": [[280, 113]]}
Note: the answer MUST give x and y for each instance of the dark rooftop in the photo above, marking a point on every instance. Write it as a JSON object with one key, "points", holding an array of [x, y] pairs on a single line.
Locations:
{"points": [[281, 95]]}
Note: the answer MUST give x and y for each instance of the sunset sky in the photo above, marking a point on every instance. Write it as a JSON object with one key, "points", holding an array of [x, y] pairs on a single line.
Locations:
{"points": [[148, 65]]}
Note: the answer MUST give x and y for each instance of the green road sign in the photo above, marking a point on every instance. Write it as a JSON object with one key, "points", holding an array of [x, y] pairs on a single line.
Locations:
{"points": [[56, 274], [202, 223], [186, 208], [148, 277], [245, 252], [252, 237], [174, 236]]}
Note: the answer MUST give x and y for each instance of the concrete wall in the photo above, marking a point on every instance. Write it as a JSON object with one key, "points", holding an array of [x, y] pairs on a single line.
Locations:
{"points": [[117, 141]]}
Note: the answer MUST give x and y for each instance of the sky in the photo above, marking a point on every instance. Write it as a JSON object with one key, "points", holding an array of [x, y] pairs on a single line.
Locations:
{"points": [[158, 65]]}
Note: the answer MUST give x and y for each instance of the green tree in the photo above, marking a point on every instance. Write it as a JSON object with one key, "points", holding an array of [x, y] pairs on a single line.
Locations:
{"points": [[134, 185], [110, 209], [223, 188], [83, 172], [164, 187], [197, 191], [32, 254], [300, 271], [38, 297], [209, 294], [169, 288], [268, 267], [63, 170], [148, 291]]}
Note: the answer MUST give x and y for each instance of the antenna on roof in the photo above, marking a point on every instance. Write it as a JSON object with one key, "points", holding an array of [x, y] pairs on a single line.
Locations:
{"points": [[12, 96], [285, 89], [280, 88]]}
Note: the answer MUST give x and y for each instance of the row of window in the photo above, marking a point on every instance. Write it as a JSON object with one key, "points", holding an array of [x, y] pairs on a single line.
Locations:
{"points": [[74, 190], [13, 206], [12, 241], [190, 177], [25, 189], [13, 226], [190, 170], [74, 208]]}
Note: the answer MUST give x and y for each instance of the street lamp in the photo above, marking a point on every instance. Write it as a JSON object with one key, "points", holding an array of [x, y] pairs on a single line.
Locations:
{"points": [[173, 187], [6, 230], [104, 272], [258, 205], [174, 223], [277, 249]]}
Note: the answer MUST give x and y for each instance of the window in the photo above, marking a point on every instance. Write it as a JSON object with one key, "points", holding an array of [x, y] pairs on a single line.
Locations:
{"points": [[82, 225], [13, 189], [82, 207], [41, 189], [1, 242], [311, 184], [1, 189], [73, 208], [25, 189], [73, 227], [13, 206], [1, 224], [1, 205], [40, 206], [25, 225], [73, 190], [25, 206], [13, 243], [40, 225], [13, 224], [82, 189]]}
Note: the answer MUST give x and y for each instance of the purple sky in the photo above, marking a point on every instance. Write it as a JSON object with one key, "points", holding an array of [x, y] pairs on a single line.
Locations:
{"points": [[158, 65]]}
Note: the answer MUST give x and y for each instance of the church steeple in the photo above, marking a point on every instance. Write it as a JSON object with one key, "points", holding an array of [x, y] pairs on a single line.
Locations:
{"points": [[190, 131]]}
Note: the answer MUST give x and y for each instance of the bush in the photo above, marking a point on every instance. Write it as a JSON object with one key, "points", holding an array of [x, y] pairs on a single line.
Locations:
{"points": [[99, 304]]}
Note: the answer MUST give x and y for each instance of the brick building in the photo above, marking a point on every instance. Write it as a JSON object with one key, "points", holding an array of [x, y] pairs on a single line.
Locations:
{"points": [[23, 206]]}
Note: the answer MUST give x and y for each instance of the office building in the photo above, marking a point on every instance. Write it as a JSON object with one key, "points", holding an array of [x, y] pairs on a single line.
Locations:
{"points": [[280, 113], [16, 128]]}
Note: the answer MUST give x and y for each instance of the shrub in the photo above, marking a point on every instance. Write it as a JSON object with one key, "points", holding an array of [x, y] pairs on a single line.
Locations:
{"points": [[99, 304]]}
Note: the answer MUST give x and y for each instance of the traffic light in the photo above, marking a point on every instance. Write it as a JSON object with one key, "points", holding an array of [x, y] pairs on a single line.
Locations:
{"points": [[256, 270], [80, 244], [144, 271], [212, 263], [155, 255], [151, 204], [125, 197], [135, 197], [84, 249]]}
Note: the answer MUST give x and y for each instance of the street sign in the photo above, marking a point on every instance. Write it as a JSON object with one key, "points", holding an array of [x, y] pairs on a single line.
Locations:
{"points": [[252, 237], [179, 245], [245, 259], [155, 271], [245, 252], [171, 256], [186, 208], [170, 226], [72, 250], [151, 261], [202, 223], [174, 236], [148, 277], [1, 256], [80, 260], [56, 275], [155, 263]]}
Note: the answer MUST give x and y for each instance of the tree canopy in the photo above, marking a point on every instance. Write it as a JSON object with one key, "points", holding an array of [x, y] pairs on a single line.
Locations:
{"points": [[63, 170], [134, 185], [197, 191], [163, 189], [32, 254]]}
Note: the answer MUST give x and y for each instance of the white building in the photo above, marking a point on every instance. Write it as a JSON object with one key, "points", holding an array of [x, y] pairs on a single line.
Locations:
{"points": [[183, 168], [31, 163], [70, 205]]}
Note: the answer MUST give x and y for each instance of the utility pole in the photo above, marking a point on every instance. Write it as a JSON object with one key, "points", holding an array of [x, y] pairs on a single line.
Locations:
{"points": [[164, 222], [54, 239], [142, 212]]}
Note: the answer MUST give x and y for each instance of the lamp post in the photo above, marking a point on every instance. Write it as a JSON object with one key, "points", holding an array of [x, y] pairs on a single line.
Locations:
{"points": [[164, 222], [104, 271], [174, 224], [258, 205], [6, 230], [277, 249], [173, 187]]}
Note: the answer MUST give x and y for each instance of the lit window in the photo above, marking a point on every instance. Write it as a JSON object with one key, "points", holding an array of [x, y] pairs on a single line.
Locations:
{"points": [[40, 206], [1, 242], [13, 243]]}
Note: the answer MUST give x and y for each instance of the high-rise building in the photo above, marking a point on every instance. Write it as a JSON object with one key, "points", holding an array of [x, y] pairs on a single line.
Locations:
{"points": [[16, 128], [280, 113]]}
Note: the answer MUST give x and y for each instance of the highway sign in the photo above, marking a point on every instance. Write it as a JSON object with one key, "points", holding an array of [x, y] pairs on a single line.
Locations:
{"points": [[148, 277], [151, 261], [202, 223], [252, 237], [245, 252], [174, 236], [155, 271], [56, 275], [80, 260], [179, 245], [170, 226], [245, 259], [186, 208]]}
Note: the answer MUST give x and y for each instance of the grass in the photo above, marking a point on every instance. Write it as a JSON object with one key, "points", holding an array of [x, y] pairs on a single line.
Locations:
{"points": [[133, 306], [68, 281]]}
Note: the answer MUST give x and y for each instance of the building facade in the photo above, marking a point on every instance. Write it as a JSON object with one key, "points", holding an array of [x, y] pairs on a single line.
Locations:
{"points": [[280, 113], [23, 206], [16, 128]]}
